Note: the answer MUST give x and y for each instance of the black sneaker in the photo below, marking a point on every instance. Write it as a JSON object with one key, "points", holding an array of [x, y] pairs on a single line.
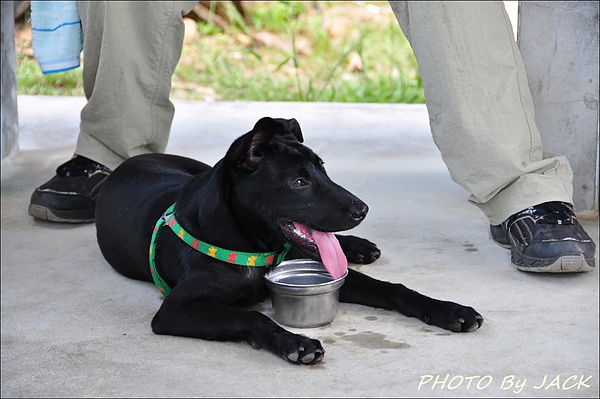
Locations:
{"points": [[70, 196], [546, 238]]}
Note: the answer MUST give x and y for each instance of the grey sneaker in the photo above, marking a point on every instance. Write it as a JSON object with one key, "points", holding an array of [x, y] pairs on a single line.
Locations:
{"points": [[546, 238], [70, 196]]}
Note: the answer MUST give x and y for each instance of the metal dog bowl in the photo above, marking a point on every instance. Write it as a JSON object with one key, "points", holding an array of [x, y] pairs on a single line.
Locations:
{"points": [[303, 293]]}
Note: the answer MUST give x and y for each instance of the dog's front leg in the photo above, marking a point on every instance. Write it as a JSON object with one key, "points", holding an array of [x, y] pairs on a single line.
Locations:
{"points": [[364, 290], [358, 250], [187, 313]]}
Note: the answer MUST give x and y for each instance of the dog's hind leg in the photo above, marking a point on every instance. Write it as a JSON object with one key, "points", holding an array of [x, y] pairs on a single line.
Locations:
{"points": [[364, 290], [187, 313]]}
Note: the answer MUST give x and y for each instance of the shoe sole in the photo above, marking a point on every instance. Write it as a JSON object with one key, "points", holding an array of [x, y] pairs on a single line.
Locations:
{"points": [[564, 264], [43, 213]]}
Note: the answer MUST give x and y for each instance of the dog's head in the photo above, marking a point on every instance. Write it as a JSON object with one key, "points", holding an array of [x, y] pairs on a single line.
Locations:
{"points": [[281, 187]]}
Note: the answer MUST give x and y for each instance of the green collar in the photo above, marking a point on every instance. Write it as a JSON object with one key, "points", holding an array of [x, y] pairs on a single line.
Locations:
{"points": [[239, 258]]}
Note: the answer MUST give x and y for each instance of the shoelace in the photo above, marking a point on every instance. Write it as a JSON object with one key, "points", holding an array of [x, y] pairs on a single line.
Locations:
{"points": [[549, 213]]}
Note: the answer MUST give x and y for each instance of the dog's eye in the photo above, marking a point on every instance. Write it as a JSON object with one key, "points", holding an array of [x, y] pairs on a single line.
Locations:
{"points": [[299, 183]]}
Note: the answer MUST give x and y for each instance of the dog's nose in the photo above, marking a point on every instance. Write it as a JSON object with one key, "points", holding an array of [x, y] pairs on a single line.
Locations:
{"points": [[359, 211]]}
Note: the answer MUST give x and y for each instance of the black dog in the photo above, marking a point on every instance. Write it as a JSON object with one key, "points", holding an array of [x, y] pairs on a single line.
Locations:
{"points": [[269, 191]]}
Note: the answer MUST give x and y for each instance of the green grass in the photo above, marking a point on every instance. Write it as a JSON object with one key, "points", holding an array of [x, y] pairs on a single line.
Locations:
{"points": [[315, 66], [30, 79]]}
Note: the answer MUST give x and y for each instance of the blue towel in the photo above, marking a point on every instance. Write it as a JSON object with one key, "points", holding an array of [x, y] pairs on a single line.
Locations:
{"points": [[56, 34]]}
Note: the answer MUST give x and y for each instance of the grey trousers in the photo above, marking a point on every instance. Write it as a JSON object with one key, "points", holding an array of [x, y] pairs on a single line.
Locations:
{"points": [[480, 108]]}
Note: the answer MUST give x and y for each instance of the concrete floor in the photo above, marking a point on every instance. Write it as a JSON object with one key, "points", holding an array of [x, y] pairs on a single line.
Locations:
{"points": [[71, 326]]}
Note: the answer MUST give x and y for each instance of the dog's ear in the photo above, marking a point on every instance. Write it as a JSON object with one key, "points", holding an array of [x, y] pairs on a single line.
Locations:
{"points": [[292, 126], [247, 151]]}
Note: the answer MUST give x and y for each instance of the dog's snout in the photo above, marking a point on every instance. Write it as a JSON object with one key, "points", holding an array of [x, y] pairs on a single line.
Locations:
{"points": [[359, 211]]}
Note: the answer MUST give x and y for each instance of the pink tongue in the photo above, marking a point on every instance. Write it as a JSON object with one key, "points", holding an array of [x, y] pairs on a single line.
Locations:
{"points": [[332, 256]]}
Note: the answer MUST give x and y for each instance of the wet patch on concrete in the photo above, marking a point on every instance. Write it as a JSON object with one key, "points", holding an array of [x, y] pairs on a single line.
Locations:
{"points": [[373, 340], [470, 247]]}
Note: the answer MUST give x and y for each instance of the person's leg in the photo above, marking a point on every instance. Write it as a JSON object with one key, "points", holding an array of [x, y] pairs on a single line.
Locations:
{"points": [[482, 119], [130, 53], [131, 50]]}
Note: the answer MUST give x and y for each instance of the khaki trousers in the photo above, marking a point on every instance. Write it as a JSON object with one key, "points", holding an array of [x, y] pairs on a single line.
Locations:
{"points": [[130, 51], [480, 108]]}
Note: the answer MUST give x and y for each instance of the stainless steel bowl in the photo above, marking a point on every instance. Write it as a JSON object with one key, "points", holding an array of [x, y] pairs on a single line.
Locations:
{"points": [[303, 293]]}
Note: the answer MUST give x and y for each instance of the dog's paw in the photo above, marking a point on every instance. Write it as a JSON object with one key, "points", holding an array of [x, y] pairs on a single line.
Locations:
{"points": [[298, 349], [454, 317], [359, 250]]}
